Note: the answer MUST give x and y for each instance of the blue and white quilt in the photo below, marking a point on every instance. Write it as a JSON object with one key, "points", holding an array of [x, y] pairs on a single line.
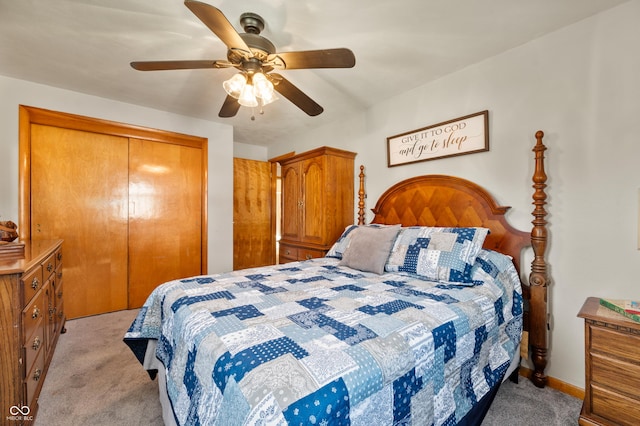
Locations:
{"points": [[314, 343]]}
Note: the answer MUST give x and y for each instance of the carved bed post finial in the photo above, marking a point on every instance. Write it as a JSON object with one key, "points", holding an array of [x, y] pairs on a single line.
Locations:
{"points": [[361, 196], [538, 279]]}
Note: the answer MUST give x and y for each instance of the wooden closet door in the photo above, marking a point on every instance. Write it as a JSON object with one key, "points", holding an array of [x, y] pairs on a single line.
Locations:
{"points": [[253, 214], [165, 221], [79, 185]]}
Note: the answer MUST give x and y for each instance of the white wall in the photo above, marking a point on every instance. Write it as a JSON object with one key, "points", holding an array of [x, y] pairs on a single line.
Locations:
{"points": [[220, 206], [250, 152], [580, 86]]}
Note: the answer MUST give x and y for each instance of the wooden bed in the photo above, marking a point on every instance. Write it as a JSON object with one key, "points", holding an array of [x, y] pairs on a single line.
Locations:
{"points": [[448, 201], [395, 325]]}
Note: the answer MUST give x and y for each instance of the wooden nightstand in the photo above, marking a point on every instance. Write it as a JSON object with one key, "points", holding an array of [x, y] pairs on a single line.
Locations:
{"points": [[612, 367]]}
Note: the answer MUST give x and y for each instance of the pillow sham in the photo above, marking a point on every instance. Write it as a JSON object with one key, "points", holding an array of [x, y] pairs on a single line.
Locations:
{"points": [[338, 248], [369, 248], [439, 254]]}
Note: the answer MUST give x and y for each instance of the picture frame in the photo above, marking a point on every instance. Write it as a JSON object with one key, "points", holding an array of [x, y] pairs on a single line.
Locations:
{"points": [[460, 136]]}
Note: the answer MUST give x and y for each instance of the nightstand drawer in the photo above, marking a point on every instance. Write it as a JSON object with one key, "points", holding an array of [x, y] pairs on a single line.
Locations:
{"points": [[615, 343], [614, 374], [615, 408]]}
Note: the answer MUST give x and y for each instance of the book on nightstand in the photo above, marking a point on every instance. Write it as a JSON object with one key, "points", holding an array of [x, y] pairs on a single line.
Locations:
{"points": [[627, 308]]}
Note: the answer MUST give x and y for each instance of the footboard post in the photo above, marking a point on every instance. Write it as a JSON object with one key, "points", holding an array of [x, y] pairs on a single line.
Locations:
{"points": [[538, 278]]}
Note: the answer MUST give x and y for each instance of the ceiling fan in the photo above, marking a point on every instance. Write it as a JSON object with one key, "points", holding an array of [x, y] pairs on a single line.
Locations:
{"points": [[255, 57]]}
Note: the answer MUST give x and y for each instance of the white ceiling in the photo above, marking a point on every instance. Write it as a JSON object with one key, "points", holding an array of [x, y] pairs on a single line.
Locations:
{"points": [[87, 45]]}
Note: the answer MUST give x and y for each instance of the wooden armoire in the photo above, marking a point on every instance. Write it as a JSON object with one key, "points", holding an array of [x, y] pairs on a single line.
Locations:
{"points": [[128, 201], [317, 201]]}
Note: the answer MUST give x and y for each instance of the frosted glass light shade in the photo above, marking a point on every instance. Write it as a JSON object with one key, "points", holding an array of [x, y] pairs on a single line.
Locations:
{"points": [[235, 85], [247, 97], [263, 87]]}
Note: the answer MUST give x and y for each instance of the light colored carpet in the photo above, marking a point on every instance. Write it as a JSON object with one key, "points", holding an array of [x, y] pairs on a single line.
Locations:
{"points": [[94, 379]]}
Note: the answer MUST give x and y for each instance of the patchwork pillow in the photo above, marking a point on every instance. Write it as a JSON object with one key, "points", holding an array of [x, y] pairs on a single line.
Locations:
{"points": [[342, 243], [369, 248], [438, 254]]}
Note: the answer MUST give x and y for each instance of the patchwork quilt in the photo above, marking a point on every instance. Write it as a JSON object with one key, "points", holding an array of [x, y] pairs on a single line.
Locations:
{"points": [[315, 343]]}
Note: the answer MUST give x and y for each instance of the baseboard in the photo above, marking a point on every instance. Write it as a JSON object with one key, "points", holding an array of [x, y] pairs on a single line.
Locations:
{"points": [[556, 384]]}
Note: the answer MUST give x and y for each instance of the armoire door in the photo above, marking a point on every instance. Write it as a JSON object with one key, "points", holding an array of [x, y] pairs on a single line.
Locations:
{"points": [[292, 202], [253, 213], [79, 186], [313, 188], [165, 228]]}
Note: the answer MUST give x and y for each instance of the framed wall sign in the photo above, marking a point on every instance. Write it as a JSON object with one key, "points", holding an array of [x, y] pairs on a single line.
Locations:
{"points": [[459, 136]]}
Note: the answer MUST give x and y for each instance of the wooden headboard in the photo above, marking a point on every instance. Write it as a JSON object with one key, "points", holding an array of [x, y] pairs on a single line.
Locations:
{"points": [[438, 200]]}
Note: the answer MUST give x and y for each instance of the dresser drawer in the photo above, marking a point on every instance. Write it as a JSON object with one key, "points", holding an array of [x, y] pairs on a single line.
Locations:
{"points": [[306, 254], [33, 316], [612, 373], [33, 345], [615, 343], [49, 265], [617, 409], [288, 254], [31, 282], [34, 377]]}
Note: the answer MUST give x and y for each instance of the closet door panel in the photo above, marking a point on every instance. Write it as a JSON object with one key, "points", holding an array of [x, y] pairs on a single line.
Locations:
{"points": [[79, 186], [253, 214], [165, 222]]}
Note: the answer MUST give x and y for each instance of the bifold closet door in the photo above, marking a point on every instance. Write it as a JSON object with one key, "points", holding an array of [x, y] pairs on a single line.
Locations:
{"points": [[165, 215], [79, 192]]}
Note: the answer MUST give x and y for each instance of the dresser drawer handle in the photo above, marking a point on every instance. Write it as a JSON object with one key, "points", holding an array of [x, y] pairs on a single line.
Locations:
{"points": [[37, 374], [49, 267], [308, 256], [288, 252], [36, 344], [35, 283], [59, 256], [60, 275], [60, 294], [36, 312]]}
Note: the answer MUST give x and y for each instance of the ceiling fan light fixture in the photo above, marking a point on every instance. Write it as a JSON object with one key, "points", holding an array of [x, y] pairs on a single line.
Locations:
{"points": [[263, 87], [247, 97], [268, 98], [235, 85]]}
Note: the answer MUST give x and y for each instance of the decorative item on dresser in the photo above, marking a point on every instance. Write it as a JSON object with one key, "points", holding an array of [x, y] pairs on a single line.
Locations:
{"points": [[612, 367], [317, 201], [32, 317]]}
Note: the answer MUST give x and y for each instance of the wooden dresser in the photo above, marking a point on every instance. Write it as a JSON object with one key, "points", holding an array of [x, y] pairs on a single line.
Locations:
{"points": [[612, 367], [31, 318], [317, 202]]}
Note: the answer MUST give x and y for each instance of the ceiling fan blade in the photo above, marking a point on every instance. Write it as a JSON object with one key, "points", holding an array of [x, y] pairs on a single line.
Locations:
{"points": [[177, 65], [218, 23], [229, 108], [328, 58], [295, 95]]}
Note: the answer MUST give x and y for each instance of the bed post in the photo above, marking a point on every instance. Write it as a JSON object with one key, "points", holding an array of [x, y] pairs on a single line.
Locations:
{"points": [[538, 279], [361, 197]]}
